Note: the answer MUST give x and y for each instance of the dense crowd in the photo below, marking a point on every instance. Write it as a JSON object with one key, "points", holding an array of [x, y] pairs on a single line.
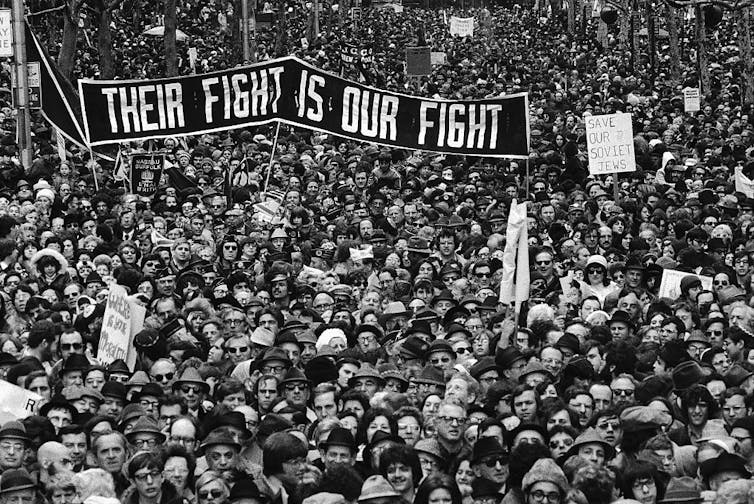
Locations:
{"points": [[349, 345]]}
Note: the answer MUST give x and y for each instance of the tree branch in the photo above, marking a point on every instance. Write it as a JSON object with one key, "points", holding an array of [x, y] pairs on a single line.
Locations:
{"points": [[47, 11]]}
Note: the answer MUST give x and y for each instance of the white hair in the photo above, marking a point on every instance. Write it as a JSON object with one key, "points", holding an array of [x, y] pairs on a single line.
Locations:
{"points": [[94, 482]]}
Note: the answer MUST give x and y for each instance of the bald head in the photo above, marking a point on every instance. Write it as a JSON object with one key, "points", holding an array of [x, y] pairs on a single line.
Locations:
{"points": [[54, 457]]}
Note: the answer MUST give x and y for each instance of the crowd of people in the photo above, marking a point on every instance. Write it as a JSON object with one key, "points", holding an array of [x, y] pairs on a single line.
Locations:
{"points": [[323, 321]]}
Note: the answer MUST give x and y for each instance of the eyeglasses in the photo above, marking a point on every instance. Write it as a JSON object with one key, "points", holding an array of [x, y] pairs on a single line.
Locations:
{"points": [[230, 247], [463, 350], [483, 275], [712, 332], [163, 377], [187, 389], [145, 443], [443, 360], [149, 404], [272, 369], [594, 271], [12, 446], [720, 282], [540, 496], [235, 350], [71, 346], [182, 440], [543, 263], [452, 420], [145, 476], [233, 321], [215, 493], [72, 294], [290, 387]]}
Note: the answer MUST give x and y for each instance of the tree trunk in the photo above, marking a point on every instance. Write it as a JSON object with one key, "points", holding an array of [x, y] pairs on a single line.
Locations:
{"points": [[744, 48], [671, 19], [70, 37], [280, 39], [171, 52], [701, 51], [571, 6]]}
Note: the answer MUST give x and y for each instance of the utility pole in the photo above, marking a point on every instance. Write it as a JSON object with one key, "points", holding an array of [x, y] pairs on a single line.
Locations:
{"points": [[701, 49], [23, 120], [315, 6]]}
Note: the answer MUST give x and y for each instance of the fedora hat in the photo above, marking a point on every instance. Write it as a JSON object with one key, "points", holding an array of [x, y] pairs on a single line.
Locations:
{"points": [[736, 375], [508, 356], [418, 245], [377, 487], [219, 437], [444, 295], [276, 354], [620, 316], [340, 437], [294, 375], [75, 362], [145, 425], [634, 262], [16, 479], [246, 489], [393, 310], [58, 401], [148, 390], [682, 490], [366, 371], [191, 376], [413, 347], [487, 447], [114, 389], [233, 419], [533, 367], [725, 462], [430, 375], [440, 345], [486, 363], [119, 366], [432, 447], [14, 430]]}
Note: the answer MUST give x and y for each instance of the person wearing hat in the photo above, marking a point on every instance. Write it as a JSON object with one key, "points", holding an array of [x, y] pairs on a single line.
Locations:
{"points": [[13, 443], [339, 449], [725, 467], [145, 434], [545, 481], [489, 461], [621, 326], [591, 447], [511, 362], [683, 490], [295, 388], [17, 485], [59, 411], [192, 389], [118, 371], [246, 492], [443, 302], [367, 380], [441, 355], [221, 450], [72, 371], [377, 490]]}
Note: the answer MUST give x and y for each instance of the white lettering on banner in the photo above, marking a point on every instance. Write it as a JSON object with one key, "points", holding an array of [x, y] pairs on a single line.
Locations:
{"points": [[453, 131], [260, 96], [463, 27], [134, 103], [17, 402], [308, 92], [370, 113], [123, 318], [6, 34], [610, 143]]}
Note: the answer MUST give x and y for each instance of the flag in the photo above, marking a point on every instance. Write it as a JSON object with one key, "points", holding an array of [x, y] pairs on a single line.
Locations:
{"points": [[743, 183], [181, 182], [119, 172], [514, 285]]}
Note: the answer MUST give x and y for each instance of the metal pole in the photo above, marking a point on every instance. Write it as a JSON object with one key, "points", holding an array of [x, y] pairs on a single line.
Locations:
{"points": [[316, 18], [245, 29], [23, 120]]}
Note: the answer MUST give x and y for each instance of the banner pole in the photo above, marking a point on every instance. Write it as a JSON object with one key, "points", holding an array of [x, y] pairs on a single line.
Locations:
{"points": [[615, 188], [272, 157]]}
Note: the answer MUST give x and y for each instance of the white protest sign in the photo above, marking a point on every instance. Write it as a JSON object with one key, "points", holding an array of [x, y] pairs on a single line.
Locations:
{"points": [[692, 100], [463, 27], [610, 143], [670, 285], [122, 320], [6, 34], [438, 57], [17, 402]]}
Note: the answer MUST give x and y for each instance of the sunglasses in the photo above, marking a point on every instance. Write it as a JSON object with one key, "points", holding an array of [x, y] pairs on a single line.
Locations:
{"points": [[215, 493], [592, 271], [164, 377], [234, 350], [71, 346], [186, 389], [463, 350], [492, 462]]}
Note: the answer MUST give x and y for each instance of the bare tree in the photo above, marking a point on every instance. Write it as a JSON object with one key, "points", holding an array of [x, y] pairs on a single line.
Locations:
{"points": [[104, 10], [171, 52], [70, 35]]}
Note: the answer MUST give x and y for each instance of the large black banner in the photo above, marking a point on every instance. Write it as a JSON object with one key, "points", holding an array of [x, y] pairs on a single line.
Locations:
{"points": [[294, 92]]}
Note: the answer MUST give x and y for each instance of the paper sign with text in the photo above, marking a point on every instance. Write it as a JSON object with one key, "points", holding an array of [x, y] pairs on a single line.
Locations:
{"points": [[6, 34], [610, 143], [692, 100], [463, 27], [418, 61], [17, 402], [122, 320], [670, 285]]}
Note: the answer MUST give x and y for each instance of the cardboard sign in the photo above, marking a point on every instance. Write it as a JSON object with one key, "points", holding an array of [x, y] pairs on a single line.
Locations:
{"points": [[265, 19], [6, 34], [352, 54], [438, 58], [692, 100], [17, 402], [670, 285], [146, 172], [122, 320], [35, 85], [418, 61], [463, 27], [610, 143]]}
